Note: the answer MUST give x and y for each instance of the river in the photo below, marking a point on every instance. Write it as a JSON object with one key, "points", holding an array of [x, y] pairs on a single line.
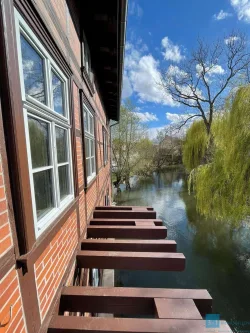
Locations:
{"points": [[217, 257]]}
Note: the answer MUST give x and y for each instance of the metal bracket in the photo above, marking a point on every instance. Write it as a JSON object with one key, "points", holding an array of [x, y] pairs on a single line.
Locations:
{"points": [[1, 322]]}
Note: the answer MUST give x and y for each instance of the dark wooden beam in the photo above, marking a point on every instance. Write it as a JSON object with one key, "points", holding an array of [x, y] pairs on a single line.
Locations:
{"points": [[72, 324], [176, 309], [128, 301], [124, 222], [131, 260], [122, 214], [144, 208], [126, 232], [129, 245]]}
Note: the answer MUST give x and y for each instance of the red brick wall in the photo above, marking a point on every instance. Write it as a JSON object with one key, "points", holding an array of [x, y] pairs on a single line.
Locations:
{"points": [[80, 164], [51, 265], [82, 211], [10, 298], [5, 233], [53, 262]]}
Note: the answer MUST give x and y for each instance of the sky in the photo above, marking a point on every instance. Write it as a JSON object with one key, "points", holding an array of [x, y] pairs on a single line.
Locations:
{"points": [[161, 33]]}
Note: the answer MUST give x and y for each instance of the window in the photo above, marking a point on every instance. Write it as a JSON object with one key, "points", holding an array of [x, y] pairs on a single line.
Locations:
{"points": [[89, 132], [105, 146], [47, 127], [87, 59]]}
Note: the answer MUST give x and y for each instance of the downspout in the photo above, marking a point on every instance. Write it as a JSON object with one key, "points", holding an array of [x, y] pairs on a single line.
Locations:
{"points": [[122, 22]]}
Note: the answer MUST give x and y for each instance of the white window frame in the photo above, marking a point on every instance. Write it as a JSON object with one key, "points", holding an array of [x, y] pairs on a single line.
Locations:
{"points": [[90, 136], [46, 113]]}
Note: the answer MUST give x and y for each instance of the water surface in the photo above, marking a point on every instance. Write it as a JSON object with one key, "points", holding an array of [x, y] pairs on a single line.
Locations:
{"points": [[217, 257]]}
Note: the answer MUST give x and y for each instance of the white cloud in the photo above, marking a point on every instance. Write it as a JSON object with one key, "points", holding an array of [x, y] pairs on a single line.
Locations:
{"points": [[215, 69], [127, 89], [177, 119], [231, 39], [153, 131], [132, 58], [146, 116], [144, 76], [128, 46], [176, 72], [145, 80], [222, 15], [135, 9], [242, 9], [171, 52]]}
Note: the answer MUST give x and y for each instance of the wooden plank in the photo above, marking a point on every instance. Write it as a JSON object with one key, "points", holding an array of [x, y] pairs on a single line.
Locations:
{"points": [[176, 309], [100, 221], [122, 214], [110, 222], [73, 324], [128, 301], [148, 223], [129, 232], [129, 245], [131, 260], [146, 208]]}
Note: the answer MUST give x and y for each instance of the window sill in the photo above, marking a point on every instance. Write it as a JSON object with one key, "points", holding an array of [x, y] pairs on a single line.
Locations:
{"points": [[90, 183], [87, 80], [46, 237], [52, 216]]}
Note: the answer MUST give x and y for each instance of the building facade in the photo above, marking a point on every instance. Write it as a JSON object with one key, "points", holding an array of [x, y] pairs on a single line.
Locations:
{"points": [[61, 72]]}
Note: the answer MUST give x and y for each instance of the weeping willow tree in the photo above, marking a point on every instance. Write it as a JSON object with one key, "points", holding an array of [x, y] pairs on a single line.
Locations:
{"points": [[222, 187], [195, 145]]}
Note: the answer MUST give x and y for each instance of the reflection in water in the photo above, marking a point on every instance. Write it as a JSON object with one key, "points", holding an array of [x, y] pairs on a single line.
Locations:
{"points": [[217, 256]]}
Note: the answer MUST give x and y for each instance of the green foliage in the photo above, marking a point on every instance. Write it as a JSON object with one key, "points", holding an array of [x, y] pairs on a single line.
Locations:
{"points": [[129, 143], [223, 186], [195, 145]]}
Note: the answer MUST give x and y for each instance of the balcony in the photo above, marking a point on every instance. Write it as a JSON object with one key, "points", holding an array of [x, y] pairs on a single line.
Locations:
{"points": [[132, 238]]}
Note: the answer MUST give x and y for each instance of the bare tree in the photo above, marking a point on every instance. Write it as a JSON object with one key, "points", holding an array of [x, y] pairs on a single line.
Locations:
{"points": [[202, 81]]}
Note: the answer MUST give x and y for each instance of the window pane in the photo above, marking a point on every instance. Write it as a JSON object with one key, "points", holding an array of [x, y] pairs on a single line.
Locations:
{"points": [[85, 120], [63, 172], [87, 152], [88, 167], [57, 86], [92, 148], [61, 145], [91, 125], [39, 142], [43, 192], [33, 71], [93, 164]]}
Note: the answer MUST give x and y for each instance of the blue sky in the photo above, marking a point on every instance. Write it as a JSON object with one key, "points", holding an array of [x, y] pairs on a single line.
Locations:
{"points": [[164, 32]]}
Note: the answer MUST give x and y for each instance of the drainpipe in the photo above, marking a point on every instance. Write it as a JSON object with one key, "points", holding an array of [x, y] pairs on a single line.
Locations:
{"points": [[122, 21]]}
